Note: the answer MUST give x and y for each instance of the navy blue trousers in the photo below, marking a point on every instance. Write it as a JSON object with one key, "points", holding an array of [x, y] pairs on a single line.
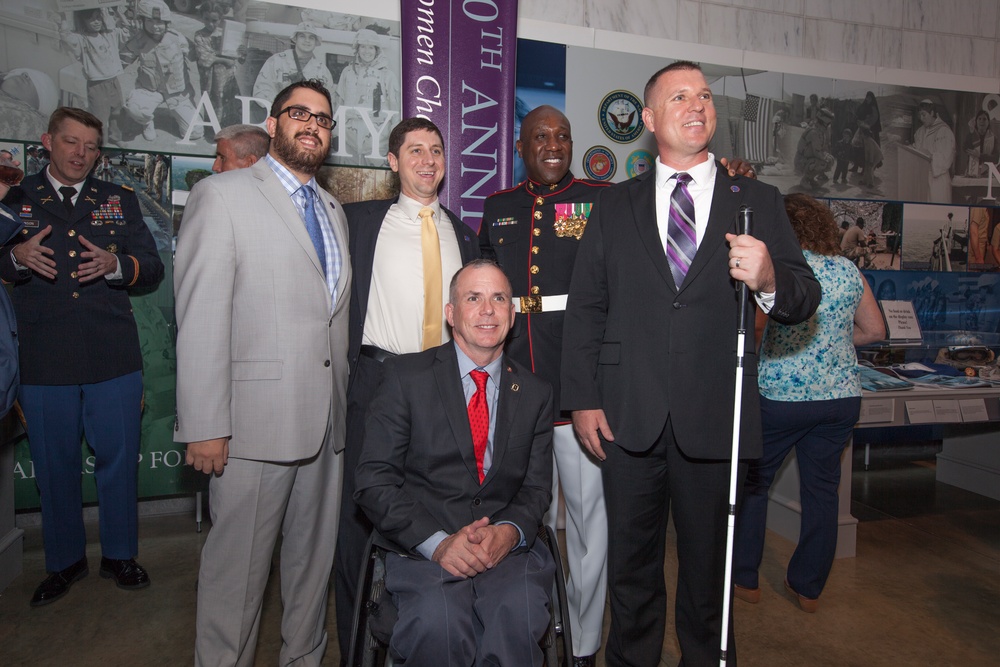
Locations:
{"points": [[108, 413], [818, 430]]}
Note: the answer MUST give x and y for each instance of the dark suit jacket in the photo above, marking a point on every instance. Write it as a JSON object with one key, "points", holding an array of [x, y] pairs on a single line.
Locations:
{"points": [[417, 473], [642, 350], [72, 332], [364, 220]]}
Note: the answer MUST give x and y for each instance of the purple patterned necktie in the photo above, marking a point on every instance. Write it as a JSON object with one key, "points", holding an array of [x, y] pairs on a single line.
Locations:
{"points": [[682, 240]]}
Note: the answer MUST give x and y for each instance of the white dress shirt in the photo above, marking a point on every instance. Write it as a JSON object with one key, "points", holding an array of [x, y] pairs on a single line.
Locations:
{"points": [[701, 187], [394, 320]]}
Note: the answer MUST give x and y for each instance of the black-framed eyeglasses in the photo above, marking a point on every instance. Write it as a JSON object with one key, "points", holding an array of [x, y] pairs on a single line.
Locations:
{"points": [[304, 115]]}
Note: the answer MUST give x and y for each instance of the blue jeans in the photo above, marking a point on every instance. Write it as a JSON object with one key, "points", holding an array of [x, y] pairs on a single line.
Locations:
{"points": [[819, 431]]}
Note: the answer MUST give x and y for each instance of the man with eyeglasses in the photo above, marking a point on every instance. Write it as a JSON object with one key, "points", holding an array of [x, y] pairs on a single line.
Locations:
{"points": [[262, 286]]}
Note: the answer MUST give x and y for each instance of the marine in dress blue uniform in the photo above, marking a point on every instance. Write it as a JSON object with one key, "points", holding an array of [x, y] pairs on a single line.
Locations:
{"points": [[81, 366], [533, 230]]}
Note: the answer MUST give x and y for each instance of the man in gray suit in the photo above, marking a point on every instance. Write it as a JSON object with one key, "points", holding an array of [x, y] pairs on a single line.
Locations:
{"points": [[262, 289]]}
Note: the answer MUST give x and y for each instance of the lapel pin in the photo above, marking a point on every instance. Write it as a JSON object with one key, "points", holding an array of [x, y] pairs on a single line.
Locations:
{"points": [[734, 188], [46, 200], [515, 387], [91, 200]]}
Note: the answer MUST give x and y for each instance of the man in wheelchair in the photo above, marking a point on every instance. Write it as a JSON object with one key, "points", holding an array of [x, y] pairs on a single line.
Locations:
{"points": [[456, 474]]}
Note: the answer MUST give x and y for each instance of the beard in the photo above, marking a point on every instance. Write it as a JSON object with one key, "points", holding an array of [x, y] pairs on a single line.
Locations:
{"points": [[294, 156]]}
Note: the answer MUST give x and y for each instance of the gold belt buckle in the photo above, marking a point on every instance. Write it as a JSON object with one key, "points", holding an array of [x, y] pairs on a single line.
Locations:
{"points": [[531, 304]]}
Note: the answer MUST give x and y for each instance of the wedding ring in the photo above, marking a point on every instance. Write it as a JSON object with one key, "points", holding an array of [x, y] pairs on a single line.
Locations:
{"points": [[737, 262]]}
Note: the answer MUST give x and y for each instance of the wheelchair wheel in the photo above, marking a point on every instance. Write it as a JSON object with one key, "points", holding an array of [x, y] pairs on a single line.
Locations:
{"points": [[558, 642], [367, 650]]}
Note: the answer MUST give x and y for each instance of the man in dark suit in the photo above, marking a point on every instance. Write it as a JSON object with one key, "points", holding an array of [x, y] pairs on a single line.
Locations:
{"points": [[456, 491], [84, 243], [397, 306], [649, 360]]}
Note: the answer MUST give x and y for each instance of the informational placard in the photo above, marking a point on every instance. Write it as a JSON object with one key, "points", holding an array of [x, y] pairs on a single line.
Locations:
{"points": [[947, 411], [973, 410], [920, 412], [901, 325], [877, 411]]}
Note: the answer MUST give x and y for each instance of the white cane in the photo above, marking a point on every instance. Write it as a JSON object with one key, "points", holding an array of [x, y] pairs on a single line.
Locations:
{"points": [[746, 219]]}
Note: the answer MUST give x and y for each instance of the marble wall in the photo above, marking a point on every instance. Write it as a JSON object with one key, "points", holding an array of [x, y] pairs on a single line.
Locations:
{"points": [[946, 37], [948, 44]]}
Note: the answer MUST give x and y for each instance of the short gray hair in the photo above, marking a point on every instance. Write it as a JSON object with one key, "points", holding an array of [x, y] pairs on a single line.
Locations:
{"points": [[246, 139], [475, 264]]}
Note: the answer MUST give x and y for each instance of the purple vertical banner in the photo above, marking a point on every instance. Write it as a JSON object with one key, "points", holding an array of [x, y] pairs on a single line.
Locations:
{"points": [[459, 60]]}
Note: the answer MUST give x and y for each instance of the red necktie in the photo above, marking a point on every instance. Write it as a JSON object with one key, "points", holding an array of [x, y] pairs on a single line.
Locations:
{"points": [[479, 419]]}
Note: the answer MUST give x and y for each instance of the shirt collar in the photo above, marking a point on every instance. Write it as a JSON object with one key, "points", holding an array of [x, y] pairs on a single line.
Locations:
{"points": [[56, 184], [545, 189], [466, 365], [701, 174], [411, 207], [287, 178]]}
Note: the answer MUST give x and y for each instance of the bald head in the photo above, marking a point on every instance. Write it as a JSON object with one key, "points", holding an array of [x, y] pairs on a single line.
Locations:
{"points": [[546, 145]]}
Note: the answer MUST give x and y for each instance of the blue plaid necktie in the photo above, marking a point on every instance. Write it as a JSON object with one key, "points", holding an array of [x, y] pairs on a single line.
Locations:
{"points": [[312, 224], [682, 240]]}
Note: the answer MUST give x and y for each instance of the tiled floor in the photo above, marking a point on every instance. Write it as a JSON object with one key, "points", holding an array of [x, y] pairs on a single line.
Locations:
{"points": [[923, 590]]}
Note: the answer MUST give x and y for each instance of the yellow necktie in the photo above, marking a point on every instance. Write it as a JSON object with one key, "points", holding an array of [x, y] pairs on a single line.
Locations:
{"points": [[431, 249]]}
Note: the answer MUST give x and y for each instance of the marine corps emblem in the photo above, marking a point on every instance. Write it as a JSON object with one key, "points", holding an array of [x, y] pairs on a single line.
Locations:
{"points": [[571, 219], [599, 163]]}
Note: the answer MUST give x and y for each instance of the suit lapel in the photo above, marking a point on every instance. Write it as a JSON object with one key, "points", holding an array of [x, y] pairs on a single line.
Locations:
{"points": [[40, 191], [453, 398], [510, 395], [643, 201], [278, 197], [463, 234], [90, 199], [365, 237], [725, 206]]}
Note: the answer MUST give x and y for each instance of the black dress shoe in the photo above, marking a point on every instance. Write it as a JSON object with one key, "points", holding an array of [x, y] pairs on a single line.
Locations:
{"points": [[584, 661], [57, 584], [127, 573]]}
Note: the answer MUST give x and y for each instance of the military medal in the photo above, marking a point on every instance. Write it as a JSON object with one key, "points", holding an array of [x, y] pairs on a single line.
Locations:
{"points": [[571, 219]]}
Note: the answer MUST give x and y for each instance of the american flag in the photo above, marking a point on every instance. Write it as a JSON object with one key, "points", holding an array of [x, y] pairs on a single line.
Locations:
{"points": [[757, 135]]}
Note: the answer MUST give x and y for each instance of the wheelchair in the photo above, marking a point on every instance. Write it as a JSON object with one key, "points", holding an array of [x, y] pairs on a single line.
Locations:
{"points": [[375, 614]]}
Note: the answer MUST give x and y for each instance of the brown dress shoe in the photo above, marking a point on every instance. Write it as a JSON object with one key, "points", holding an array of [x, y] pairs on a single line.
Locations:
{"points": [[127, 573], [58, 583], [808, 605], [751, 595]]}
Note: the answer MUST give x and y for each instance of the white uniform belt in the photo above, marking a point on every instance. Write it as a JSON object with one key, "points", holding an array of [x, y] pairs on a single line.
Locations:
{"points": [[541, 304]]}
